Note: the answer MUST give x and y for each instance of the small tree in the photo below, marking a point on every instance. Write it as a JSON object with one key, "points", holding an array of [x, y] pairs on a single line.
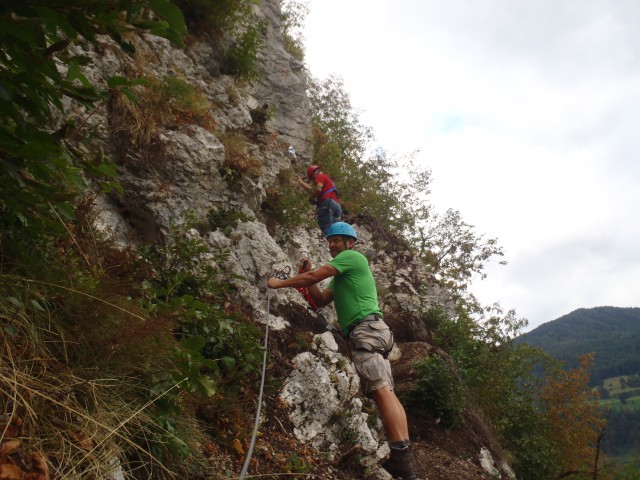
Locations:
{"points": [[578, 420]]}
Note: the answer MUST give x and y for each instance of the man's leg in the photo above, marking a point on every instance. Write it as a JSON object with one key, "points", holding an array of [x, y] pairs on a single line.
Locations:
{"points": [[401, 463], [375, 372], [392, 413]]}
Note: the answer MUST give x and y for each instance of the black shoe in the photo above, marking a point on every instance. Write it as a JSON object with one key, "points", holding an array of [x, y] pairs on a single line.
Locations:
{"points": [[402, 464]]}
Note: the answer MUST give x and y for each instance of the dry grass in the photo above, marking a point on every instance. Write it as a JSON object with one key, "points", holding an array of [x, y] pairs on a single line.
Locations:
{"points": [[168, 103], [238, 159], [78, 406]]}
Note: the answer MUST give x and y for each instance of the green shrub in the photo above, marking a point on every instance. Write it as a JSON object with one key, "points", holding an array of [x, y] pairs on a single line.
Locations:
{"points": [[234, 20], [189, 281], [292, 18], [438, 391], [242, 56], [215, 15], [287, 205], [181, 97], [225, 219]]}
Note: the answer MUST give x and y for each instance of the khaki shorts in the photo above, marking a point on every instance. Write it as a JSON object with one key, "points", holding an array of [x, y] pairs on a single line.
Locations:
{"points": [[373, 368]]}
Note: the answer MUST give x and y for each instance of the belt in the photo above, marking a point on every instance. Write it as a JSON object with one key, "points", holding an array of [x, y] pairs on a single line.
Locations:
{"points": [[374, 317]]}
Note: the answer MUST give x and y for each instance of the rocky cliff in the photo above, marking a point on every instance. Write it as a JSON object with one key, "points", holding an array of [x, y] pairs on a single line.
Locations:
{"points": [[228, 159]]}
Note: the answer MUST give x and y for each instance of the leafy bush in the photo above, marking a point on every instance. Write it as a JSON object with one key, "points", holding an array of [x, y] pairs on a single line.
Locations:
{"points": [[234, 19], [287, 205], [292, 18], [438, 391], [41, 171], [225, 219], [242, 56], [188, 280], [139, 114]]}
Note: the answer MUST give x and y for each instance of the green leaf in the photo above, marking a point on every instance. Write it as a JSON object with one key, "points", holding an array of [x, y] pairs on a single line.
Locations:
{"points": [[229, 362], [15, 302], [11, 330], [36, 305], [207, 385], [117, 81], [107, 170], [171, 14], [65, 210], [74, 73], [193, 343]]}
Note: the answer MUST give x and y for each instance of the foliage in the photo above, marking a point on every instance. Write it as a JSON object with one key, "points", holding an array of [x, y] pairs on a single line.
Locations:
{"points": [[297, 465], [292, 18], [623, 431], [242, 55], [578, 421], [548, 422], [394, 191], [140, 114], [286, 204], [180, 96], [452, 248], [235, 19], [42, 171], [225, 219], [188, 281], [67, 331], [439, 390]]}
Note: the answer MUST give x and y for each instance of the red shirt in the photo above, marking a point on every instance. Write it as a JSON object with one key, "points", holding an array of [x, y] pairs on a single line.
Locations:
{"points": [[328, 187]]}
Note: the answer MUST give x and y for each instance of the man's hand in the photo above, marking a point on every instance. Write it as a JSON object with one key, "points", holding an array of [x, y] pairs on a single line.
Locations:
{"points": [[305, 265], [274, 282]]}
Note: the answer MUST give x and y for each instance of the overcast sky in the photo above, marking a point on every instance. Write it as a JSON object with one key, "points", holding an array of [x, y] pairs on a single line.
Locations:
{"points": [[527, 112]]}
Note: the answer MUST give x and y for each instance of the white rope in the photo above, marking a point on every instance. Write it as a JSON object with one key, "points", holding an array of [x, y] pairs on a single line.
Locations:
{"points": [[256, 424]]}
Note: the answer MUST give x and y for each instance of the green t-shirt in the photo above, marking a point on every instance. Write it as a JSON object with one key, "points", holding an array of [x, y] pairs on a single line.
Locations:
{"points": [[354, 289]]}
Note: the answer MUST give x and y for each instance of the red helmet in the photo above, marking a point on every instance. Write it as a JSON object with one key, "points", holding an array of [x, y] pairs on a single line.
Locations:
{"points": [[311, 170]]}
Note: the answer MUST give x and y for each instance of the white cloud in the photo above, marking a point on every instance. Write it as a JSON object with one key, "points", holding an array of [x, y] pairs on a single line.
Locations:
{"points": [[526, 112]]}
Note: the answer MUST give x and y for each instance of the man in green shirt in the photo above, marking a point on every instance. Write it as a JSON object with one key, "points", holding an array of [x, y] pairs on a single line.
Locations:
{"points": [[352, 289]]}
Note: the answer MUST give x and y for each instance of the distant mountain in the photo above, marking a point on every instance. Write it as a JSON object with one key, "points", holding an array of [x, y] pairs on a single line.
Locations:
{"points": [[612, 333]]}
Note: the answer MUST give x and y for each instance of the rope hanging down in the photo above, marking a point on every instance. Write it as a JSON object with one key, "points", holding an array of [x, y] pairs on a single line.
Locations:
{"points": [[281, 274]]}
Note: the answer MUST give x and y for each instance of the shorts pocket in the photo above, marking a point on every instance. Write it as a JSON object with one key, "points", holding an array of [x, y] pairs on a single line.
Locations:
{"points": [[369, 366]]}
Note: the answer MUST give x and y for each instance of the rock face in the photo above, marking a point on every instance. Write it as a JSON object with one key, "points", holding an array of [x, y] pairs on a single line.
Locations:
{"points": [[185, 166]]}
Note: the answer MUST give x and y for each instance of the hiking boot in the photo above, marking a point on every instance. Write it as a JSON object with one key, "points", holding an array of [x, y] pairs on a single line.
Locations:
{"points": [[402, 464]]}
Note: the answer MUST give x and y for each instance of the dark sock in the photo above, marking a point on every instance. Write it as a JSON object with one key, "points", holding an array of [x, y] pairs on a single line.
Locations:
{"points": [[399, 445]]}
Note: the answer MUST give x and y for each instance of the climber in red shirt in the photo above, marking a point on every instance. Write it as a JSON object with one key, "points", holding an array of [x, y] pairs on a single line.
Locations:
{"points": [[323, 194]]}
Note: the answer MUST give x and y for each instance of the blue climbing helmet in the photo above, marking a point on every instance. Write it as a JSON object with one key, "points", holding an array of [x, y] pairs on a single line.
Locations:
{"points": [[341, 228]]}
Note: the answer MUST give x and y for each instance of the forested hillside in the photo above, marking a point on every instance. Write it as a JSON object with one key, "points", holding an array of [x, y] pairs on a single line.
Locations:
{"points": [[612, 333]]}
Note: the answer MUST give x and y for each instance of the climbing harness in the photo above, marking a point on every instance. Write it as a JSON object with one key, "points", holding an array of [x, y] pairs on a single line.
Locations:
{"points": [[358, 344]]}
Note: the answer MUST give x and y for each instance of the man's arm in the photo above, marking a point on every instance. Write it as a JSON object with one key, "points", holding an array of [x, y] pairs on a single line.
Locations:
{"points": [[314, 192], [309, 279], [303, 184]]}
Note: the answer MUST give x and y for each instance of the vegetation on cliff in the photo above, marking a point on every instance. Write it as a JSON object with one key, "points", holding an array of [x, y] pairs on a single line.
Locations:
{"points": [[112, 359]]}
